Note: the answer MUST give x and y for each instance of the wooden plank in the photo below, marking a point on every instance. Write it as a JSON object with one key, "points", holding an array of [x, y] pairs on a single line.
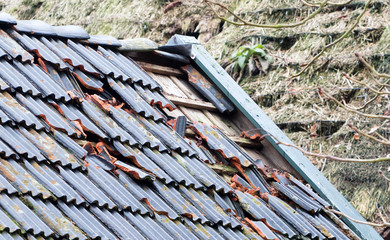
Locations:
{"points": [[163, 70], [195, 115], [169, 87], [216, 119], [197, 104], [184, 86], [260, 120]]}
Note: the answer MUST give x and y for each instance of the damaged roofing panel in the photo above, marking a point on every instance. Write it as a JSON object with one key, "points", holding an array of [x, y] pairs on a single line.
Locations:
{"points": [[257, 208], [98, 61], [6, 187], [138, 158], [143, 193], [107, 124], [68, 55], [128, 66], [13, 48], [6, 224], [176, 229], [174, 168], [103, 40], [26, 218], [112, 187], [208, 90], [88, 80], [203, 231], [154, 97], [23, 180], [218, 142], [32, 44], [48, 177], [89, 191], [168, 136], [55, 219], [133, 99], [212, 211]]}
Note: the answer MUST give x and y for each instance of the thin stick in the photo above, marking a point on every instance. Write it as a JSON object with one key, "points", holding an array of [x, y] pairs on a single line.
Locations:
{"points": [[385, 224], [369, 136], [329, 3], [243, 22]]}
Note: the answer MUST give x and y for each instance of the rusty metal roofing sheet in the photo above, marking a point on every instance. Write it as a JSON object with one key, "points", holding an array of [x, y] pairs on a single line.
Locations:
{"points": [[26, 218], [212, 211], [208, 90], [174, 168], [36, 27], [107, 124], [88, 190], [129, 122], [301, 187], [229, 233], [16, 80], [49, 115], [88, 80], [217, 141], [48, 177], [6, 224], [112, 187], [86, 221], [68, 55], [18, 113], [42, 81], [258, 210], [6, 187], [257, 180], [13, 48], [98, 61], [128, 66], [154, 97], [263, 230], [33, 45], [135, 172], [203, 231], [143, 192], [133, 99], [23, 180], [138, 158], [14, 236], [117, 223], [103, 40], [145, 225], [50, 148], [4, 86], [18, 143], [168, 136], [55, 219], [69, 144], [294, 218]]}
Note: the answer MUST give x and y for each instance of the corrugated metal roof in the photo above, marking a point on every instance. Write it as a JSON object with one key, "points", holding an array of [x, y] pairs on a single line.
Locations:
{"points": [[87, 153]]}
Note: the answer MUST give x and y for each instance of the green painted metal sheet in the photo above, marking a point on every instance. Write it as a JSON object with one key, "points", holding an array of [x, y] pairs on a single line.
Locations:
{"points": [[260, 120]]}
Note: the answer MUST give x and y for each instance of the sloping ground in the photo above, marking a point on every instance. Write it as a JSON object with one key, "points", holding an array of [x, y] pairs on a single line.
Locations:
{"points": [[295, 105]]}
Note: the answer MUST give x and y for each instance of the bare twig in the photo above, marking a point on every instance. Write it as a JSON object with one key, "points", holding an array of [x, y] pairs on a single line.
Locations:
{"points": [[371, 68], [377, 91], [335, 42], [349, 109], [329, 3], [243, 22], [384, 224], [369, 136]]}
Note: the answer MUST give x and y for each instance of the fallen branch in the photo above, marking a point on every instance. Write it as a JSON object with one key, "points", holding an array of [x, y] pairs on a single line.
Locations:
{"points": [[384, 176], [384, 224], [369, 136], [243, 22]]}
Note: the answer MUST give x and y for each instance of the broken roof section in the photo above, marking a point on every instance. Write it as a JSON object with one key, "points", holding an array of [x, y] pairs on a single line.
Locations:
{"points": [[90, 147]]}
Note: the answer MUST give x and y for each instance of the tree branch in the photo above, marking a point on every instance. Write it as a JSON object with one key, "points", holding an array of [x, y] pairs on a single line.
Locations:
{"points": [[371, 68], [385, 224], [243, 22], [383, 175], [329, 3], [377, 91], [369, 136], [335, 42]]}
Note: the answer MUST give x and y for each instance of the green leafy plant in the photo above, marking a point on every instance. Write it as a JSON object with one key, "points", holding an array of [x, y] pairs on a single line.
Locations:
{"points": [[251, 60]]}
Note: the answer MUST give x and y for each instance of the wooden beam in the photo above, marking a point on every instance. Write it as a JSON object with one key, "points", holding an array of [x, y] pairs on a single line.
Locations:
{"points": [[163, 70], [187, 102], [260, 120]]}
